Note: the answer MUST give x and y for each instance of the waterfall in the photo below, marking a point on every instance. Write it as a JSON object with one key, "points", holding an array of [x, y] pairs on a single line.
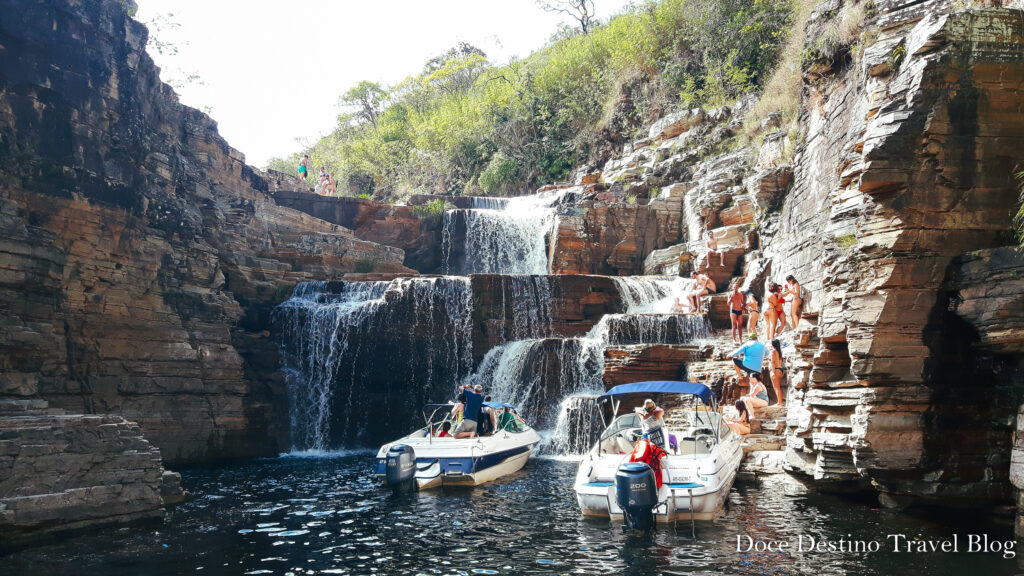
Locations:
{"points": [[360, 357], [647, 299], [510, 239], [535, 375]]}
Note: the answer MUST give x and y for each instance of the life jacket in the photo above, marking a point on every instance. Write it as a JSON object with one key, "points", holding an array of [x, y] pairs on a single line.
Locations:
{"points": [[651, 454]]}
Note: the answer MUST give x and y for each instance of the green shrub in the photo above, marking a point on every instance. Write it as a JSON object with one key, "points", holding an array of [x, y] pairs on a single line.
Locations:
{"points": [[846, 241], [462, 121]]}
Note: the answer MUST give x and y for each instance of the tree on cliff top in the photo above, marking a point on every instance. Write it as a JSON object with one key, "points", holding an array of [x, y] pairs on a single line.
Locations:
{"points": [[580, 10], [465, 126], [368, 100]]}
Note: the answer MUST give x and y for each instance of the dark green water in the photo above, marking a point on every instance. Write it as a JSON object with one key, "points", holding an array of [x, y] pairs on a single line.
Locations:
{"points": [[297, 516]]}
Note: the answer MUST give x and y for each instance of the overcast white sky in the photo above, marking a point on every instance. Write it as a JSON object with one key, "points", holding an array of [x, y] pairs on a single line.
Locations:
{"points": [[272, 70]]}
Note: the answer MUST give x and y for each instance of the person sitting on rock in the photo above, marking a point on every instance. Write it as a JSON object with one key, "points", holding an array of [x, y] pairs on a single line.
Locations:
{"points": [[677, 307], [753, 357], [758, 395], [741, 423], [704, 286], [736, 305], [712, 244]]}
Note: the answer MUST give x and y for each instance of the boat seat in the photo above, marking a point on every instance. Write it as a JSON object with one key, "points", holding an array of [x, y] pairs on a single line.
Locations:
{"points": [[625, 446], [691, 445]]}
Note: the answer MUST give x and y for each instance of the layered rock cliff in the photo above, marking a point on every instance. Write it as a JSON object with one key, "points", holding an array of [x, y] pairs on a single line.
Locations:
{"points": [[139, 257]]}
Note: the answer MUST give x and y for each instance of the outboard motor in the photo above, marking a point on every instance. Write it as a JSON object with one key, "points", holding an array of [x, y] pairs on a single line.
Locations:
{"points": [[637, 494], [400, 467]]}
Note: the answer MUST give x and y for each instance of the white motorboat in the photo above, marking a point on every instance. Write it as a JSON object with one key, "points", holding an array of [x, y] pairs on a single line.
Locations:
{"points": [[423, 460], [697, 474]]}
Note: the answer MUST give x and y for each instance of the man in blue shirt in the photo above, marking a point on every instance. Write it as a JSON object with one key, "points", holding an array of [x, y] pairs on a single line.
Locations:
{"points": [[753, 357], [469, 404]]}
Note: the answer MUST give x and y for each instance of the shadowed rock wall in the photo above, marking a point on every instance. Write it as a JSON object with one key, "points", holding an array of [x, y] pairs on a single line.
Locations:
{"points": [[139, 255]]}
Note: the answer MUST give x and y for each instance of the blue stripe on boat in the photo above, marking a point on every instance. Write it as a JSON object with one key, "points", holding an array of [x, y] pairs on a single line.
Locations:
{"points": [[683, 485], [599, 484]]}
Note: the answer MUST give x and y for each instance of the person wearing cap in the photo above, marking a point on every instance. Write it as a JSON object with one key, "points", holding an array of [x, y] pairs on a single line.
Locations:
{"points": [[753, 357], [469, 405], [652, 421]]}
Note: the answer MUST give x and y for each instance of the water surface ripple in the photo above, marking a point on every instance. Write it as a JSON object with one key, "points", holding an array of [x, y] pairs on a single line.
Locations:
{"points": [[294, 516]]}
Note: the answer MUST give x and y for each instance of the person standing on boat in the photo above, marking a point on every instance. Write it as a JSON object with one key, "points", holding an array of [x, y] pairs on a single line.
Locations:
{"points": [[469, 405], [652, 422]]}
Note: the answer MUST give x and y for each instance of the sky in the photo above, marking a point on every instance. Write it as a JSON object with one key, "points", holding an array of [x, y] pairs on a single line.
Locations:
{"points": [[271, 71]]}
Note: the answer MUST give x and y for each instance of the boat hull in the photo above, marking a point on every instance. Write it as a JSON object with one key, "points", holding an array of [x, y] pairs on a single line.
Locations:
{"points": [[694, 488], [444, 462]]}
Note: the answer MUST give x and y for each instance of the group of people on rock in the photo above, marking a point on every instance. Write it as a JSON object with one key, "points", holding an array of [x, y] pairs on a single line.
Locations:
{"points": [[773, 312], [326, 185], [748, 361], [473, 417]]}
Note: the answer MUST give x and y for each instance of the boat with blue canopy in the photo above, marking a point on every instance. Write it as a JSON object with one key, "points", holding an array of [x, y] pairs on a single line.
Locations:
{"points": [[687, 476]]}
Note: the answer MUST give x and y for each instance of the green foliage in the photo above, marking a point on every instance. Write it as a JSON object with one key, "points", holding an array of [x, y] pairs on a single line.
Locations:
{"points": [[366, 266], [846, 241], [433, 210], [465, 124]]}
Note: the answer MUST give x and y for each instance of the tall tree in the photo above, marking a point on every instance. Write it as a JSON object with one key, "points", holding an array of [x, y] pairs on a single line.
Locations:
{"points": [[580, 10], [368, 99]]}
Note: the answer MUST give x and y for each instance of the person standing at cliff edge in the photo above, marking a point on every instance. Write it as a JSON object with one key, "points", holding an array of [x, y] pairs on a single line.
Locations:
{"points": [[304, 167]]}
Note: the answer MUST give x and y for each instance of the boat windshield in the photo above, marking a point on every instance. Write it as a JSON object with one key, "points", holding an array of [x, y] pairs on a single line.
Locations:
{"points": [[626, 421]]}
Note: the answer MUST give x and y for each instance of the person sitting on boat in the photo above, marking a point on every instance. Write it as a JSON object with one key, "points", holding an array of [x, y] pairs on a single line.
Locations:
{"points": [[487, 422], [651, 454], [469, 406], [652, 421], [741, 423], [508, 420], [445, 430]]}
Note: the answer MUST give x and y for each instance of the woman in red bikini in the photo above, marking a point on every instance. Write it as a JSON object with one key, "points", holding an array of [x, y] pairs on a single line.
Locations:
{"points": [[773, 310]]}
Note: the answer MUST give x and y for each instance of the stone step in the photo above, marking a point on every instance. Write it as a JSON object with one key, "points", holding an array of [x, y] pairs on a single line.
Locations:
{"points": [[22, 406], [758, 441], [624, 364], [707, 263]]}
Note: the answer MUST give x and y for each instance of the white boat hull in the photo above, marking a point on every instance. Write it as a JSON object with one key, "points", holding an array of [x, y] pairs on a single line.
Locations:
{"points": [[695, 486], [466, 461]]}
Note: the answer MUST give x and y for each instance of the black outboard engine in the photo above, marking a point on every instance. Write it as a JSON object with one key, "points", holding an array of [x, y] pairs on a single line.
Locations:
{"points": [[637, 494], [400, 467]]}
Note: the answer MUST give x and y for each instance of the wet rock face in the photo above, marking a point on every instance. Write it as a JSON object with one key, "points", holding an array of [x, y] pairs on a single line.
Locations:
{"points": [[143, 256]]}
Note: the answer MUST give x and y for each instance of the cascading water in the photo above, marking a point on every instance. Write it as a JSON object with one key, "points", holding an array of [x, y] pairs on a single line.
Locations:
{"points": [[648, 300], [512, 239], [360, 356]]}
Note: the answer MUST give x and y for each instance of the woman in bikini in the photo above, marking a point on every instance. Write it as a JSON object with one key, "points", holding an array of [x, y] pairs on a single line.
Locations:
{"points": [[778, 370], [796, 305], [741, 423], [758, 395], [773, 310], [753, 311]]}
